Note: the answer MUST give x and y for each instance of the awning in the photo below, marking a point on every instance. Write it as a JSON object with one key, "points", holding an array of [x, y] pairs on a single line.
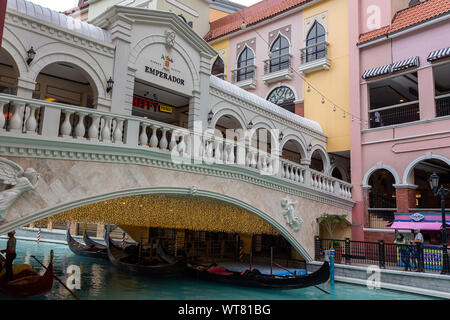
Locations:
{"points": [[439, 54], [391, 68], [375, 72], [405, 64], [412, 225]]}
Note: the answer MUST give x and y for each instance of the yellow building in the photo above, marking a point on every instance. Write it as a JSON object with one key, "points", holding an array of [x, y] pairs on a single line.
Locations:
{"points": [[333, 79]]}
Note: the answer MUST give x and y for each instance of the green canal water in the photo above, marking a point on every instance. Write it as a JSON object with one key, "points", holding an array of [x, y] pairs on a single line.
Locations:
{"points": [[102, 281]]}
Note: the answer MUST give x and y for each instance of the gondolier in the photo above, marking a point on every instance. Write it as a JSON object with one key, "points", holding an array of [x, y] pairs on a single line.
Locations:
{"points": [[10, 256]]}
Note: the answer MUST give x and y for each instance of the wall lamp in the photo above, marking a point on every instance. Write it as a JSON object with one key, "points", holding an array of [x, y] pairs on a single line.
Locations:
{"points": [[31, 54], [210, 116], [309, 148], [110, 84], [280, 138], [250, 125]]}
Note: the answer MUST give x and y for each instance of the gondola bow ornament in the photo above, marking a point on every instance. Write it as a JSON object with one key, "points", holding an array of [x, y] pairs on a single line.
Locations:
{"points": [[289, 214], [14, 181]]}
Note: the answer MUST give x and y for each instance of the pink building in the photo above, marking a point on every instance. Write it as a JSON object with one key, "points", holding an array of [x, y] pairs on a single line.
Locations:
{"points": [[400, 135]]}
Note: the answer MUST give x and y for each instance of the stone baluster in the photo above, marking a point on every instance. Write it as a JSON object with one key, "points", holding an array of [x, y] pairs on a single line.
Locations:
{"points": [[173, 141], [15, 123], [248, 158], [163, 143], [154, 138], [283, 172], [296, 176], [259, 163], [143, 138], [217, 151], [31, 123], [270, 167], [288, 171], [106, 130], [66, 127], [93, 129], [226, 151], [80, 129], [118, 132], [253, 162], [231, 157], [264, 162], [182, 145], [209, 149], [2, 115]]}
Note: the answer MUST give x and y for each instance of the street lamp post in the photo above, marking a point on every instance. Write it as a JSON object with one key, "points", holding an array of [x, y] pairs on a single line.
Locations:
{"points": [[434, 184]]}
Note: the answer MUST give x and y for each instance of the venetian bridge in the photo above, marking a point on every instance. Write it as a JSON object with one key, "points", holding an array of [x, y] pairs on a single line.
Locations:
{"points": [[90, 156]]}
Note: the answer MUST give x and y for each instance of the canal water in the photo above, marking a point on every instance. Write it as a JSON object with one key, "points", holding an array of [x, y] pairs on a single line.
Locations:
{"points": [[102, 281]]}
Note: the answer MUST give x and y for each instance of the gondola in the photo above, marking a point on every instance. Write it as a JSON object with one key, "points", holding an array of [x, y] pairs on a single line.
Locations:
{"points": [[128, 260], [257, 280], [90, 249], [27, 282]]}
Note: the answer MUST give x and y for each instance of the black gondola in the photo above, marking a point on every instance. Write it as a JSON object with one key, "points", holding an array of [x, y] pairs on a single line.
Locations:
{"points": [[91, 243], [257, 280], [90, 249], [128, 260]]}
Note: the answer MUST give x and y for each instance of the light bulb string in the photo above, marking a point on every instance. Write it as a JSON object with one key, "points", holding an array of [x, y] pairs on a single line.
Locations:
{"points": [[335, 105]]}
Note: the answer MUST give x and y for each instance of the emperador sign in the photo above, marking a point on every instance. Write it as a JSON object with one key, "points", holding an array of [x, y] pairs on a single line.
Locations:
{"points": [[166, 68], [2, 18]]}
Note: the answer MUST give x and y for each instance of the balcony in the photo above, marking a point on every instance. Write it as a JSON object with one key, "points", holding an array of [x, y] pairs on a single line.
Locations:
{"points": [[443, 105], [314, 58], [85, 134], [277, 69], [244, 77], [396, 114]]}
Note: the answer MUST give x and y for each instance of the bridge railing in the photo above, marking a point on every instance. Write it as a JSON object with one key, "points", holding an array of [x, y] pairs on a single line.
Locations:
{"points": [[56, 121]]}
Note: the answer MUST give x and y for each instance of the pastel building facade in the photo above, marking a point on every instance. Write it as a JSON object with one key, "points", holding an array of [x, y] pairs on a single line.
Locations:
{"points": [[293, 54], [399, 137]]}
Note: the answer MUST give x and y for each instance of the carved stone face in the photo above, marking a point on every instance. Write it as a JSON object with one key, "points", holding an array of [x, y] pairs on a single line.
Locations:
{"points": [[31, 175]]}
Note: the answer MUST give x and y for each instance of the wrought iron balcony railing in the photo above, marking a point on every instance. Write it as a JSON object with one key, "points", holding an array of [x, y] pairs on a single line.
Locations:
{"points": [[243, 73], [397, 114], [314, 52], [443, 105], [277, 63]]}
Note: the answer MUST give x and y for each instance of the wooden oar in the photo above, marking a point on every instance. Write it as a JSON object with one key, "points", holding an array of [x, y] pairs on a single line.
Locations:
{"points": [[62, 283], [296, 275]]}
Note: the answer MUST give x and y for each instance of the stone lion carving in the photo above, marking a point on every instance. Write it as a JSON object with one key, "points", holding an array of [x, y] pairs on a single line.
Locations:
{"points": [[289, 214], [14, 181]]}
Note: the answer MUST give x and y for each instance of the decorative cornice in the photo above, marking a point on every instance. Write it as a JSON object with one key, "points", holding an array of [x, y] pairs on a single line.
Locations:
{"points": [[254, 108], [55, 32], [96, 152]]}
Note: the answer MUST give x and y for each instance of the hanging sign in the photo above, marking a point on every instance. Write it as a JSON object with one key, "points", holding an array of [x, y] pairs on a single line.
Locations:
{"points": [[164, 108], [417, 217]]}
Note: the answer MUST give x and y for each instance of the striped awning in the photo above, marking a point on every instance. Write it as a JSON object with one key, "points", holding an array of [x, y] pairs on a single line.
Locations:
{"points": [[439, 54], [391, 68], [405, 64], [377, 71]]}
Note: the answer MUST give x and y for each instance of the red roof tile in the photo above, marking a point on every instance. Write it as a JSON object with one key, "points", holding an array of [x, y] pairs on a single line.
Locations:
{"points": [[251, 15], [409, 17]]}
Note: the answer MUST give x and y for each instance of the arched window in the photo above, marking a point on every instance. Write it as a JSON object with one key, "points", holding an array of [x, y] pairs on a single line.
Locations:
{"points": [[284, 97], [218, 68], [246, 61], [280, 54], [315, 43]]}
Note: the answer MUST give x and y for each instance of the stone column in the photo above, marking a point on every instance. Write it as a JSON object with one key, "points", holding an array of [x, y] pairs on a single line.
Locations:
{"points": [[366, 205], [406, 197], [120, 94], [25, 88], [427, 104], [100, 230], [73, 228]]}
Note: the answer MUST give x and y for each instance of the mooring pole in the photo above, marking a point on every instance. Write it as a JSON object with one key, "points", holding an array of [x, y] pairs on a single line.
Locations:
{"points": [[271, 260], [332, 266]]}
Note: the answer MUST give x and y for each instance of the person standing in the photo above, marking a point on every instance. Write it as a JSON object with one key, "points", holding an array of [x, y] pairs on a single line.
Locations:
{"points": [[418, 237], [10, 255], [404, 250]]}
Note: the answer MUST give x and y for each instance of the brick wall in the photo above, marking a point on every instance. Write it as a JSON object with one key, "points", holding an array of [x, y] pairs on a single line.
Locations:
{"points": [[406, 198]]}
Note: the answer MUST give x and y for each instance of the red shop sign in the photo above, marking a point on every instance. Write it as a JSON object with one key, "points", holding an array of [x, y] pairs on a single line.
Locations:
{"points": [[146, 104]]}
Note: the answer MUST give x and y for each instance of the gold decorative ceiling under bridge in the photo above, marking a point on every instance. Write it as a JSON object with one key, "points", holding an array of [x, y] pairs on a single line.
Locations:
{"points": [[169, 211]]}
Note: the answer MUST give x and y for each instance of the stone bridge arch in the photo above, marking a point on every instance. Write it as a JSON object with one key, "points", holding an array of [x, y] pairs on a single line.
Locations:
{"points": [[69, 183]]}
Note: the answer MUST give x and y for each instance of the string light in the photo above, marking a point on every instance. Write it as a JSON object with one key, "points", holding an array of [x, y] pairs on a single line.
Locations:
{"points": [[302, 77]]}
